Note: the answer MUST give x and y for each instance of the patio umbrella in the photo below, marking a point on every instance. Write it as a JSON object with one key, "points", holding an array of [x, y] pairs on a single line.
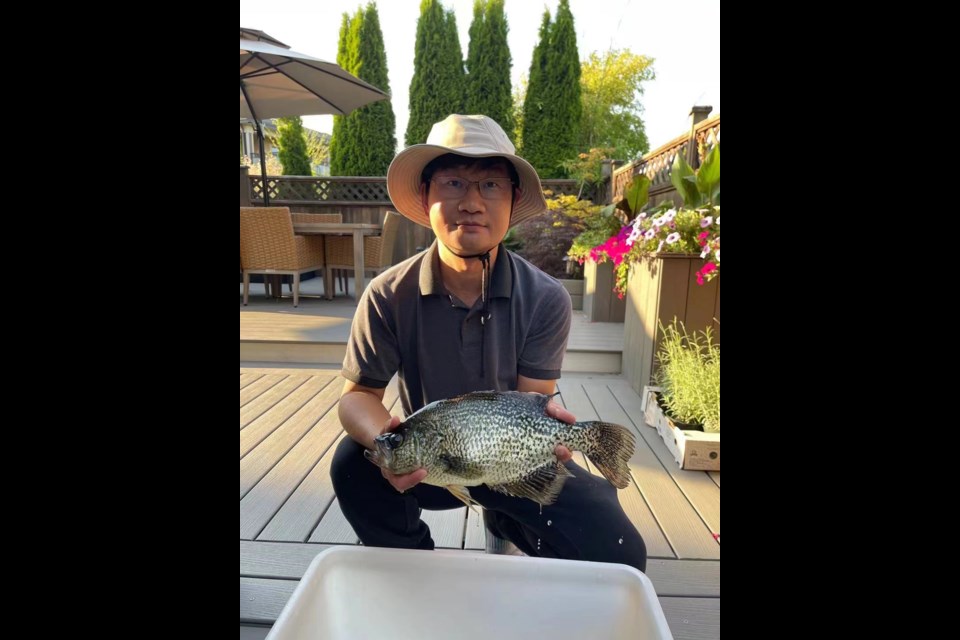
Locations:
{"points": [[260, 36], [277, 82]]}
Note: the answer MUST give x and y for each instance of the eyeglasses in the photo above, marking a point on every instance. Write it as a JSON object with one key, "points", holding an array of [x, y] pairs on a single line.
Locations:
{"points": [[451, 187]]}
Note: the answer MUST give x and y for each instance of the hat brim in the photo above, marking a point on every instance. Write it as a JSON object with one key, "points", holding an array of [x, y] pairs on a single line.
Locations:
{"points": [[403, 181]]}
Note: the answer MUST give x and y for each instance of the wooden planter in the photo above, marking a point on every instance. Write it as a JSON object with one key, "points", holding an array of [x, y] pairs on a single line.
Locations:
{"points": [[600, 302], [660, 289], [575, 289]]}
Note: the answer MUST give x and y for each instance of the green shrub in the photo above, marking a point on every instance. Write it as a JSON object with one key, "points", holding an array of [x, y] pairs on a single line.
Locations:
{"points": [[689, 375], [545, 239]]}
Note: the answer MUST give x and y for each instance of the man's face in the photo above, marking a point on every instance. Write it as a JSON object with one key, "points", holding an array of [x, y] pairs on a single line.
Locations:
{"points": [[471, 223]]}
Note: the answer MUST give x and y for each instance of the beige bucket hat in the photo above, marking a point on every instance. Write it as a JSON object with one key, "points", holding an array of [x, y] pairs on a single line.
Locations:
{"points": [[470, 136]]}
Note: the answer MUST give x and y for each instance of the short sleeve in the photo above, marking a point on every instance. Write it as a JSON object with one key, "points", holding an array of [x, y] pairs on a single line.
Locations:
{"points": [[546, 341], [373, 356]]}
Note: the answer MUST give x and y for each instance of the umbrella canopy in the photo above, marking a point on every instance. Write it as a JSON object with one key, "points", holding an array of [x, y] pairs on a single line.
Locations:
{"points": [[256, 34], [277, 82]]}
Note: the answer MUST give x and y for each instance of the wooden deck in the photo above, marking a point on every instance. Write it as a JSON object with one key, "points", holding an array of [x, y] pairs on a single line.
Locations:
{"points": [[289, 513]]}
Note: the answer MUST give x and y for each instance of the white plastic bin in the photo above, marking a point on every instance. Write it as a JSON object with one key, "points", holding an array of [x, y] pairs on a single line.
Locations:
{"points": [[364, 592]]}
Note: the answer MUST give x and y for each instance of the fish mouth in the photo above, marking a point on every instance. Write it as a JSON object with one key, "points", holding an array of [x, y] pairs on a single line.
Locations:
{"points": [[380, 456]]}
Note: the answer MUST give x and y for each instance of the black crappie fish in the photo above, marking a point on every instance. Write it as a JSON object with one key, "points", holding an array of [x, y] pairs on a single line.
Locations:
{"points": [[501, 439]]}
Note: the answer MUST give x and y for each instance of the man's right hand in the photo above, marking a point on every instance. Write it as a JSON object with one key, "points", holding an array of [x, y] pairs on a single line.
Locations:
{"points": [[405, 481]]}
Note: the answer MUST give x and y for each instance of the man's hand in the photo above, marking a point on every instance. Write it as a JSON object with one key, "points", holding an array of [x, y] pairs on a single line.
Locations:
{"points": [[554, 410], [408, 480]]}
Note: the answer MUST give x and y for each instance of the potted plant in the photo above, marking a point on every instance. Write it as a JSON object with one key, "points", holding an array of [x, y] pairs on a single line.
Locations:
{"points": [[689, 377], [685, 407]]}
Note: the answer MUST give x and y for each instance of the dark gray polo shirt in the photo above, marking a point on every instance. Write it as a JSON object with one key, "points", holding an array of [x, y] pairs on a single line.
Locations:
{"points": [[408, 322]]}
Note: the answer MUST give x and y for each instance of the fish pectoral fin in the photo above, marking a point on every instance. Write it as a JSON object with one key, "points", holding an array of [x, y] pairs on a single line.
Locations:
{"points": [[542, 485], [462, 494]]}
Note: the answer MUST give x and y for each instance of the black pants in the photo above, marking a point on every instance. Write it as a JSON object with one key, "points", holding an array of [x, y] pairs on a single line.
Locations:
{"points": [[585, 523]]}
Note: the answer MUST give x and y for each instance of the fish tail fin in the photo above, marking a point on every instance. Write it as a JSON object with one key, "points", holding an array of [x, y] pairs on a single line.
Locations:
{"points": [[609, 446]]}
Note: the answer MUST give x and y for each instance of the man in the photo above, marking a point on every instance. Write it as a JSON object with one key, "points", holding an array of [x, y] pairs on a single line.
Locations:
{"points": [[465, 315]]}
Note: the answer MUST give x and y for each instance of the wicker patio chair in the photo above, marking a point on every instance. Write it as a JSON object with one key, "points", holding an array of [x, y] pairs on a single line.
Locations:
{"points": [[377, 250], [269, 246]]}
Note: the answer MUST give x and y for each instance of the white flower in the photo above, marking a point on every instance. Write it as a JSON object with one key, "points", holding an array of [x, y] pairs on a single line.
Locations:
{"points": [[669, 215], [673, 237], [718, 255]]}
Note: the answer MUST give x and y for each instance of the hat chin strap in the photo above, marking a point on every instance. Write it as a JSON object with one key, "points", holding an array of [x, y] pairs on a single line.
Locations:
{"points": [[484, 296]]}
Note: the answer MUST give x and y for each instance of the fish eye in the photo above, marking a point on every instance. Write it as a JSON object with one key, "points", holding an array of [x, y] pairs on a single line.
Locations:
{"points": [[395, 439]]}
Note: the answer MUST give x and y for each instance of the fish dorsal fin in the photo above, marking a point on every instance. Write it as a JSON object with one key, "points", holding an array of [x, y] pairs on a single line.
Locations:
{"points": [[536, 400], [542, 485]]}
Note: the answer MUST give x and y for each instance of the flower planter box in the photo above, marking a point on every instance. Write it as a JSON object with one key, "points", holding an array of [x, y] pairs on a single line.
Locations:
{"points": [[600, 302], [660, 289], [693, 450]]}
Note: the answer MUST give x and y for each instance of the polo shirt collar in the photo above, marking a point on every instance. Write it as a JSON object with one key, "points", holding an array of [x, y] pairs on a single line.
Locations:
{"points": [[501, 280]]}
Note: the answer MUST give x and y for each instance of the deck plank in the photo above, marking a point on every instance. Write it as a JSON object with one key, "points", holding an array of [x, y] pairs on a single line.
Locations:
{"points": [[262, 600], [715, 476], [311, 400], [278, 394], [300, 513], [334, 528], [696, 486], [253, 390], [248, 378], [685, 578], [283, 560], [265, 499], [631, 498], [264, 449], [692, 618], [446, 527], [475, 536]]}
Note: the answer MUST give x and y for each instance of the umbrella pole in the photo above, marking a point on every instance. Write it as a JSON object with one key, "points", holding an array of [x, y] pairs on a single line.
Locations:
{"points": [[263, 167]]}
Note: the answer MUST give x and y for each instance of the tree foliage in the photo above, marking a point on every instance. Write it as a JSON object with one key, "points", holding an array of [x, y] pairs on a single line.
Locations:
{"points": [[367, 141], [552, 108], [318, 147], [293, 147], [611, 87], [439, 84], [340, 143], [488, 65]]}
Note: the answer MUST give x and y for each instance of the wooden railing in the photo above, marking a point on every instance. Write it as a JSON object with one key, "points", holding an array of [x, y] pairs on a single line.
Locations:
{"points": [[656, 164]]}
